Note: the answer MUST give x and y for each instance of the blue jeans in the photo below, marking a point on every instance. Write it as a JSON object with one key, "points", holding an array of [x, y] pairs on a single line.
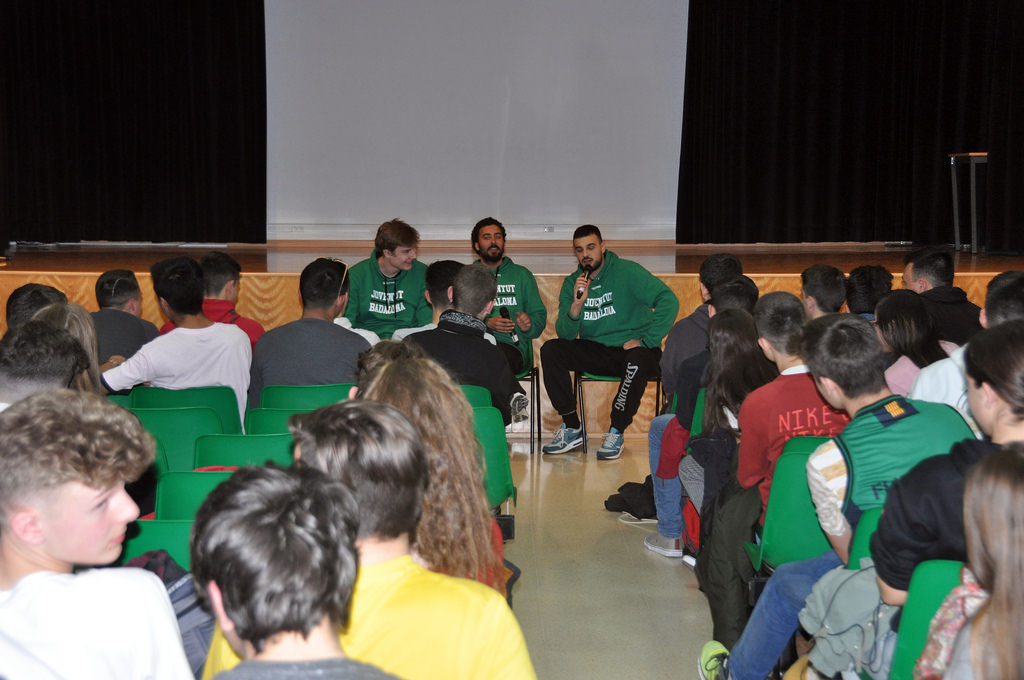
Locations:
{"points": [[668, 493], [774, 619]]}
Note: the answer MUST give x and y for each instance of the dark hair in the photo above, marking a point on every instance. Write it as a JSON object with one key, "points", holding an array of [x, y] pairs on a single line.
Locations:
{"points": [[59, 436], [485, 222], [116, 287], [587, 230], [779, 317], [736, 367], [845, 349], [322, 282], [475, 286], [26, 300], [934, 264], [179, 281], [78, 322], [218, 268], [37, 356], [908, 328], [280, 545], [376, 452], [395, 233], [1004, 298], [865, 286], [995, 355], [826, 284], [718, 268], [739, 292], [440, 277], [994, 529]]}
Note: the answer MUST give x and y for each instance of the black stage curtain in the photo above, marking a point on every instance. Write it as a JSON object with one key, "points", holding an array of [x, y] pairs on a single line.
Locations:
{"points": [[812, 121], [133, 121]]}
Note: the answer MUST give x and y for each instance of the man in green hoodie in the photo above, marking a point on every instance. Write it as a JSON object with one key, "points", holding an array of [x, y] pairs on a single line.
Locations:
{"points": [[386, 290], [612, 316]]}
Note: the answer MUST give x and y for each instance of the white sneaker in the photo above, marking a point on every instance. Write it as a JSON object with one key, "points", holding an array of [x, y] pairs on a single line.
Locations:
{"points": [[663, 545]]}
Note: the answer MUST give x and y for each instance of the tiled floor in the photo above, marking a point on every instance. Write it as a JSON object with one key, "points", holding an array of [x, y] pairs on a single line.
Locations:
{"points": [[593, 602]]}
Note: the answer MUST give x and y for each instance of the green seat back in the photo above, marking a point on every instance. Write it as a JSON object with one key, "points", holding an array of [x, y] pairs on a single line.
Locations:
{"points": [[860, 546], [171, 535], [179, 494], [303, 397], [697, 424], [791, 530], [490, 432], [931, 582], [122, 400], [269, 420], [477, 396], [243, 449], [176, 430], [218, 397]]}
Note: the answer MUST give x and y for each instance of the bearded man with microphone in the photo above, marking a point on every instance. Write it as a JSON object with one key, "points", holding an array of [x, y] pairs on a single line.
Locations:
{"points": [[612, 316]]}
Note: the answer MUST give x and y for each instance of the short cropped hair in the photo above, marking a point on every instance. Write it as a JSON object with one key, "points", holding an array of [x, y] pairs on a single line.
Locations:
{"points": [[779, 317], [485, 222], [587, 230], [440, 277], [845, 349], [1004, 298], [280, 545], [739, 292], [934, 264], [26, 300], [36, 356], [718, 268], [393, 234], [218, 268], [116, 288], [322, 282], [60, 436], [826, 284], [376, 452], [179, 281], [475, 286], [865, 286]]}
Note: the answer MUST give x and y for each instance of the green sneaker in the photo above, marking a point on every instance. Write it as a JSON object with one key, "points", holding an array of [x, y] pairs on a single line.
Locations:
{"points": [[713, 662]]}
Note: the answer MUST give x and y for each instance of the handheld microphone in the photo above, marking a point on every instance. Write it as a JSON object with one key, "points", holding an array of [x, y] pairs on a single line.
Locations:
{"points": [[586, 273], [503, 311]]}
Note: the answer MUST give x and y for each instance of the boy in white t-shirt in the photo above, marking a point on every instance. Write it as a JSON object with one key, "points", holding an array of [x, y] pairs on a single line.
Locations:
{"points": [[64, 459]]}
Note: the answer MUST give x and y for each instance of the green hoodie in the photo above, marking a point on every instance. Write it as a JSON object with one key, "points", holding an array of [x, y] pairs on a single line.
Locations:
{"points": [[384, 305], [624, 302], [517, 290]]}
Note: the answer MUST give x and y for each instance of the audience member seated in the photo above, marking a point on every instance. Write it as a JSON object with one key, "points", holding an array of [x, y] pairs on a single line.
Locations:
{"points": [[689, 336], [823, 289], [908, 333], [406, 619], [64, 459], [36, 357], [865, 286], [440, 279], [669, 433], [929, 272], [847, 475], [221, 279], [458, 344], [24, 301], [119, 329], [274, 557], [985, 613], [76, 320], [944, 380], [198, 352], [387, 288], [456, 533], [312, 350]]}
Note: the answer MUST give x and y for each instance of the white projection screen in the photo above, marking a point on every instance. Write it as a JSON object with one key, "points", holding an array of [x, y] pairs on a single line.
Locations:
{"points": [[545, 114]]}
